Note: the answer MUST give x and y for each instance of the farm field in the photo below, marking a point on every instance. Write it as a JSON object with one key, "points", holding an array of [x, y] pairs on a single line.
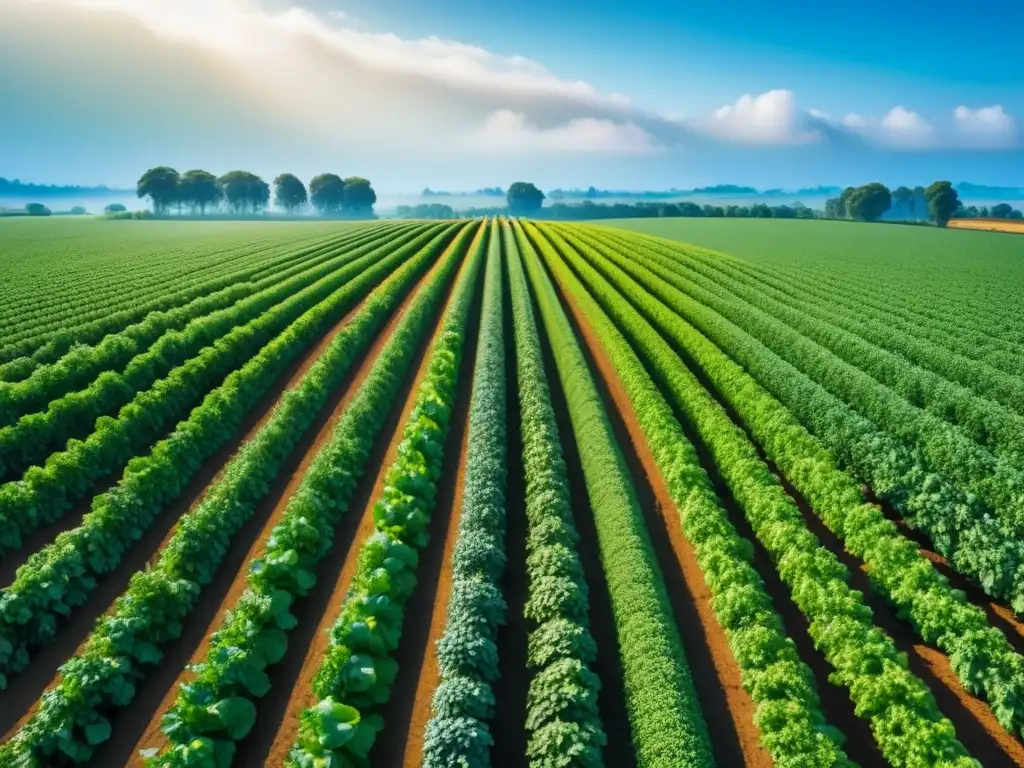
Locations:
{"points": [[993, 225], [505, 492]]}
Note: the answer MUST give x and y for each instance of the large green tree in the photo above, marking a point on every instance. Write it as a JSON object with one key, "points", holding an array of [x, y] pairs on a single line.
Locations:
{"points": [[869, 202], [844, 202], [358, 197], [903, 201], [524, 199], [942, 201], [199, 190], [1001, 211], [244, 192], [160, 185], [289, 193], [327, 193]]}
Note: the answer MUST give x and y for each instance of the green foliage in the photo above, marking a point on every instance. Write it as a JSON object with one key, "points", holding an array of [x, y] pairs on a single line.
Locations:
{"points": [[524, 199], [327, 193], [199, 190], [126, 643], [286, 568], [467, 650], [289, 193], [666, 721], [358, 670], [865, 659], [244, 192], [60, 576], [941, 615], [942, 201], [868, 202], [161, 186]]}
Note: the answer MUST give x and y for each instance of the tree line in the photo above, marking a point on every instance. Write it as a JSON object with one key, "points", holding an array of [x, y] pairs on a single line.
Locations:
{"points": [[937, 203], [244, 193]]}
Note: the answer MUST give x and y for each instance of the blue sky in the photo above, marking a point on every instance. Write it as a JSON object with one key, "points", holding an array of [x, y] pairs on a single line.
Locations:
{"points": [[459, 94]]}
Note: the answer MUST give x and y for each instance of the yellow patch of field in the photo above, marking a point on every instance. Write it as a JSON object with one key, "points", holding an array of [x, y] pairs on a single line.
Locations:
{"points": [[992, 225]]}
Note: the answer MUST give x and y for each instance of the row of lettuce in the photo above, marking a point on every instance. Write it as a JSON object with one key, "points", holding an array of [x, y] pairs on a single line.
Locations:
{"points": [[77, 308], [128, 642], [916, 460], [78, 367], [980, 655], [152, 379], [59, 577]]}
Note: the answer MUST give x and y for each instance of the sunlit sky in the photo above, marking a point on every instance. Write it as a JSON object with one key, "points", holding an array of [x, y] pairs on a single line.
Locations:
{"points": [[458, 94]]}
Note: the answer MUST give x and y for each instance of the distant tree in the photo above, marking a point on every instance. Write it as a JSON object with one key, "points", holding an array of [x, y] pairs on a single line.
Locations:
{"points": [[869, 202], [833, 208], [1016, 215], [524, 199], [289, 193], [690, 210], [358, 197], [327, 193], [37, 209], [984, 212], [761, 211], [844, 202], [115, 208], [1001, 211], [942, 201], [160, 185], [244, 192], [918, 202], [783, 212], [199, 190], [903, 201], [77, 211]]}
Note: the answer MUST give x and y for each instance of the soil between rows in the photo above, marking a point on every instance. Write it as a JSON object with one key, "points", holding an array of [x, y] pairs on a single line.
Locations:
{"points": [[976, 726], [726, 706], [19, 701], [143, 728], [292, 679], [408, 711], [512, 687], [611, 700]]}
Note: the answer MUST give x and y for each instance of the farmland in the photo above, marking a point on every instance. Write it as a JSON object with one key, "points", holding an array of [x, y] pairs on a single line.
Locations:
{"points": [[513, 493]]}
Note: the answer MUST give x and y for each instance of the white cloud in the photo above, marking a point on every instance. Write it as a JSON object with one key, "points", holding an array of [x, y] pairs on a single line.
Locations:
{"points": [[771, 118], [508, 131], [985, 126]]}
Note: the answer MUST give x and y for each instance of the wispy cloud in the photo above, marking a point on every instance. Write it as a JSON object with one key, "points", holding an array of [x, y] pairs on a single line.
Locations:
{"points": [[507, 131], [770, 118]]}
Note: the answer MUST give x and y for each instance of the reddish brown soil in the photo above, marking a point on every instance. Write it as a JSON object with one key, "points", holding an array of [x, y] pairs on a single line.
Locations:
{"points": [[143, 723], [408, 709], [508, 728], [292, 679], [611, 701], [976, 726], [1000, 614], [20, 699], [727, 707]]}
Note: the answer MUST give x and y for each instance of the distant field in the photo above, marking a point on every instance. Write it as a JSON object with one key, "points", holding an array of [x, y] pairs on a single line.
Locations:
{"points": [[992, 225], [426, 494]]}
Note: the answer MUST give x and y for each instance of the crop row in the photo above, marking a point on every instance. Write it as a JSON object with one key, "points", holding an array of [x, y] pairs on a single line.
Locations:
{"points": [[959, 528], [126, 643], [45, 381], [44, 343], [458, 732], [36, 436], [944, 352], [665, 717], [357, 672], [904, 716], [989, 424], [61, 575], [45, 493], [87, 296], [561, 712], [981, 656], [787, 707], [218, 706]]}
